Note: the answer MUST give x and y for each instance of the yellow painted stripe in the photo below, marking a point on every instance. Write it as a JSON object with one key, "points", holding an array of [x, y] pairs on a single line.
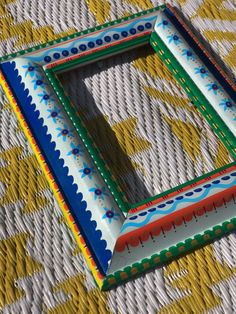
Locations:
{"points": [[97, 275]]}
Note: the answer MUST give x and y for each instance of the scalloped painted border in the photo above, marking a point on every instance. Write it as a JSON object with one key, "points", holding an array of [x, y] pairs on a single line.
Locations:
{"points": [[146, 263], [59, 197], [74, 199]]}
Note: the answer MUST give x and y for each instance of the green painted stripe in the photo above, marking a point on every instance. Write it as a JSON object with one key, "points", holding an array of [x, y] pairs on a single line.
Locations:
{"points": [[196, 96], [84, 32], [166, 256], [104, 53], [181, 186], [86, 138]]}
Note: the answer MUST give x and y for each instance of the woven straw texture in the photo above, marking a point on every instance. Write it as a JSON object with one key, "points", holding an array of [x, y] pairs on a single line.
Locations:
{"points": [[158, 140]]}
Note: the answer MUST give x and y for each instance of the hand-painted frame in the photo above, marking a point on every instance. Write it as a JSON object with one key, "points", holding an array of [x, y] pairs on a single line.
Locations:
{"points": [[117, 239]]}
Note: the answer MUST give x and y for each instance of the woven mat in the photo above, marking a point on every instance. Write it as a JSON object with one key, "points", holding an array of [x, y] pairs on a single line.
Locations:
{"points": [[159, 140]]}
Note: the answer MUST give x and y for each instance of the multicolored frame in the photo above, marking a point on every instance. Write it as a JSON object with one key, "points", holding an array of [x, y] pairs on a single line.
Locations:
{"points": [[120, 240]]}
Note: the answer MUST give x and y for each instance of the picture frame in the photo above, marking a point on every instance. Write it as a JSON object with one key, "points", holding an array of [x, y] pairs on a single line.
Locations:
{"points": [[120, 240]]}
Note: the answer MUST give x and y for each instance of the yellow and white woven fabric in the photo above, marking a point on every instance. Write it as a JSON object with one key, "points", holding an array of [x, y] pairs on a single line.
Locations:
{"points": [[159, 140]]}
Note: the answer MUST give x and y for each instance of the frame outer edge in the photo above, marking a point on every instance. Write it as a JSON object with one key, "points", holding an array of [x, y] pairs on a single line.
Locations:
{"points": [[79, 239]]}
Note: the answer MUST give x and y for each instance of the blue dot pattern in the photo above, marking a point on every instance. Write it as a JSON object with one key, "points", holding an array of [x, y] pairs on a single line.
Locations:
{"points": [[65, 53], [82, 47], [98, 42], [74, 50], [181, 197], [56, 55]]}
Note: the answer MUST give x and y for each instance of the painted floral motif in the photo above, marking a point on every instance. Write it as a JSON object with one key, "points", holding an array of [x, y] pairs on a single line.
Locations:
{"points": [[188, 54], [99, 192], [174, 38], [54, 114], [202, 72], [164, 23], [29, 69], [227, 104], [213, 87], [38, 82], [76, 150], [45, 98], [64, 132], [87, 171], [110, 214]]}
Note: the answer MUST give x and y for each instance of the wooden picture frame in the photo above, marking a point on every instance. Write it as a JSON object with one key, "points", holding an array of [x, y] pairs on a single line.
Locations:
{"points": [[120, 240]]}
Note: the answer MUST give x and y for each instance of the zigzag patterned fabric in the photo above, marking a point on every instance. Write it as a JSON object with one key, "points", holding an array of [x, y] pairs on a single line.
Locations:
{"points": [[159, 141]]}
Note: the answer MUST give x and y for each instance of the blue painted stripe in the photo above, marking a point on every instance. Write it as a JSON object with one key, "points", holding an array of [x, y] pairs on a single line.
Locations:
{"points": [[74, 199], [174, 206], [84, 40], [212, 68]]}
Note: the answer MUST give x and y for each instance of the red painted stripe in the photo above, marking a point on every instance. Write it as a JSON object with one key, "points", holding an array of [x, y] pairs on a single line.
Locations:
{"points": [[92, 33], [188, 187], [56, 63], [176, 219], [201, 47]]}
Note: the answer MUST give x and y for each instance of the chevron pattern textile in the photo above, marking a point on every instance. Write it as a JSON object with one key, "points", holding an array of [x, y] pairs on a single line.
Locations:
{"points": [[159, 140]]}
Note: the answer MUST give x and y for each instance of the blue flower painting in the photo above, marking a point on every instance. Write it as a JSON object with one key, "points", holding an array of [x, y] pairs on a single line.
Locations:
{"points": [[174, 38], [54, 114], [99, 192], [65, 133], [202, 72], [87, 171], [76, 150], [110, 214], [29, 69]]}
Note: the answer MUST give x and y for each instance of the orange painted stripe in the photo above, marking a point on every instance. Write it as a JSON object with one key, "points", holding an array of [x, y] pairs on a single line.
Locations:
{"points": [[71, 58], [176, 219], [80, 240], [201, 47], [186, 188]]}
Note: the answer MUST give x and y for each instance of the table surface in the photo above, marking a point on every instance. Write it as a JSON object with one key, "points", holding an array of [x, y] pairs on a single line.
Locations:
{"points": [[159, 141]]}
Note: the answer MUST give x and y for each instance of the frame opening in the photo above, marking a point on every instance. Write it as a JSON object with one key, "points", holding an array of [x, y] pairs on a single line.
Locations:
{"points": [[148, 132]]}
